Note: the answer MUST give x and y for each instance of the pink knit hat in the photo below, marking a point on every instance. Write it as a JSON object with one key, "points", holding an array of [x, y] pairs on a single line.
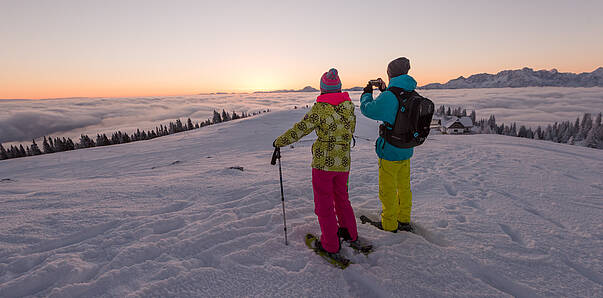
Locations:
{"points": [[330, 82]]}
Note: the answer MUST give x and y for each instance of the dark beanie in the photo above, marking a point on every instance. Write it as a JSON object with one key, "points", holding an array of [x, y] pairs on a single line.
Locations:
{"points": [[398, 67]]}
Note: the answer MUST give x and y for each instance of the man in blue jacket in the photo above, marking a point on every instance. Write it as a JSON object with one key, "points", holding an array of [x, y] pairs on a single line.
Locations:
{"points": [[394, 162]]}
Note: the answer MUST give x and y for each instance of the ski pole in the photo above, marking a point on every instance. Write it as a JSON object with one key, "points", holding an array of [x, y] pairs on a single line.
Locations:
{"points": [[277, 155]]}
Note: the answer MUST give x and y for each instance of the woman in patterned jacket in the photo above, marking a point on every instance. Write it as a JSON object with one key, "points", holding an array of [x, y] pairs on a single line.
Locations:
{"points": [[333, 119]]}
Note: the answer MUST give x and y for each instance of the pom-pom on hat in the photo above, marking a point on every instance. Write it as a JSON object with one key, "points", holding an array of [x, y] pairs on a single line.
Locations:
{"points": [[330, 82]]}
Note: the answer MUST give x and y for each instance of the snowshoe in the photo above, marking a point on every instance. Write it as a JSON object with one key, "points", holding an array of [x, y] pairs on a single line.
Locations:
{"points": [[336, 259], [377, 224]]}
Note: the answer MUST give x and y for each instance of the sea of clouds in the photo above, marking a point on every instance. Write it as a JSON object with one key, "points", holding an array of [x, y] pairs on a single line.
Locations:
{"points": [[24, 120]]}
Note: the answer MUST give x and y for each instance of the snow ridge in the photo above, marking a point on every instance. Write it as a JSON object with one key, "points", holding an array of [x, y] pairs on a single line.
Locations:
{"points": [[525, 77]]}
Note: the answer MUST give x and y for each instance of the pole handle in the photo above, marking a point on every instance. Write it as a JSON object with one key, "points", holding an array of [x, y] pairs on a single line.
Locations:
{"points": [[275, 155]]}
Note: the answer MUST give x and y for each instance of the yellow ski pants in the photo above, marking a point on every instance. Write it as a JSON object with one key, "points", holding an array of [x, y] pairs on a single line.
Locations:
{"points": [[394, 192]]}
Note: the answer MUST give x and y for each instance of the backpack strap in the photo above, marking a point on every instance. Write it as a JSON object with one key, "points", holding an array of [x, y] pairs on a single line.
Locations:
{"points": [[402, 96], [400, 93]]}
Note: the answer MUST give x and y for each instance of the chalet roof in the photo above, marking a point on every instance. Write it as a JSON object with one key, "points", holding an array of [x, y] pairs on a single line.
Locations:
{"points": [[466, 122], [450, 122]]}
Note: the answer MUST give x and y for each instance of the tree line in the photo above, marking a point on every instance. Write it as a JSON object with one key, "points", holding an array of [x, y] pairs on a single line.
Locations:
{"points": [[50, 145], [587, 132], [457, 111]]}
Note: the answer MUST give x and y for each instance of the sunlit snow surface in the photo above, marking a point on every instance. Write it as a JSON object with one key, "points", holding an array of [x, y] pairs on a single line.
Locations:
{"points": [[497, 216], [24, 120]]}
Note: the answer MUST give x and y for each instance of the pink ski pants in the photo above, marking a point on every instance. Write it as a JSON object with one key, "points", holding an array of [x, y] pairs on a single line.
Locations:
{"points": [[332, 206]]}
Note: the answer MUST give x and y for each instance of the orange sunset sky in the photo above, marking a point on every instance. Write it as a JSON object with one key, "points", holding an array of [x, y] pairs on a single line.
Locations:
{"points": [[153, 48]]}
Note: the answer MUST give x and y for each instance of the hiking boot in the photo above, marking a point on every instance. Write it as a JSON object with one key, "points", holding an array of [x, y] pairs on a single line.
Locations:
{"points": [[344, 234], [357, 244], [361, 246], [379, 226], [406, 227], [333, 255]]}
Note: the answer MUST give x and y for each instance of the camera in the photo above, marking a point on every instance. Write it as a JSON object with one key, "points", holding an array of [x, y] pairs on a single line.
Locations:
{"points": [[379, 83]]}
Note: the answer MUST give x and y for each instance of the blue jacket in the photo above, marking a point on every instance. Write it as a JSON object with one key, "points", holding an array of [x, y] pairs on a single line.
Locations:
{"points": [[384, 108]]}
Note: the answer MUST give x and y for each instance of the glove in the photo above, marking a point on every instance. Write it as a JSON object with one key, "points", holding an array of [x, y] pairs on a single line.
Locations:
{"points": [[382, 86], [274, 144], [368, 88]]}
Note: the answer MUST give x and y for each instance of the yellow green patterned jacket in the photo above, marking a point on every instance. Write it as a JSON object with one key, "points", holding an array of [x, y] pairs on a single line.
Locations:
{"points": [[333, 119]]}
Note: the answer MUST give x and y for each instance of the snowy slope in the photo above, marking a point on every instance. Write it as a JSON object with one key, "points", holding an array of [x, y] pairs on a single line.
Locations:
{"points": [[498, 216]]}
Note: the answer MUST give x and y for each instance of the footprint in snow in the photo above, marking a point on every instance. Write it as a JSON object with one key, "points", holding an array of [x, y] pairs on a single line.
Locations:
{"points": [[450, 189]]}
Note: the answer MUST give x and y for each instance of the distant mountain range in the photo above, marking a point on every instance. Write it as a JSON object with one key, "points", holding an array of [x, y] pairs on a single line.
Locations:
{"points": [[307, 89], [525, 77]]}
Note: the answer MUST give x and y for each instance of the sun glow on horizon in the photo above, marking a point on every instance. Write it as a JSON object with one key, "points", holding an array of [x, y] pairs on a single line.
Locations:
{"points": [[243, 82], [117, 48]]}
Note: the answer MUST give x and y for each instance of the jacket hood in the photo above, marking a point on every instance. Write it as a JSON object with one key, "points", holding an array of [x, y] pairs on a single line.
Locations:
{"points": [[334, 98], [405, 82]]}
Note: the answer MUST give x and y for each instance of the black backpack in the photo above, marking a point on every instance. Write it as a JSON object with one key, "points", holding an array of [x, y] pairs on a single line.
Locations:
{"points": [[413, 119]]}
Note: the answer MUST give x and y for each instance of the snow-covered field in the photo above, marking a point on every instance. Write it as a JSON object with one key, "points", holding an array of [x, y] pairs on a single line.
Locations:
{"points": [[497, 216]]}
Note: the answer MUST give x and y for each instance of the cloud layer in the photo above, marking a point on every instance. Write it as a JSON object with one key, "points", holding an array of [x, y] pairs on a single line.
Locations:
{"points": [[24, 120]]}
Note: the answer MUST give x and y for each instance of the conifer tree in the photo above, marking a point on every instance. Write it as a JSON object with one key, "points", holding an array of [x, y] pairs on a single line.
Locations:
{"points": [[115, 138], [538, 133], [586, 125], [58, 145], [22, 152], [13, 152], [102, 140], [3, 153], [179, 126], [492, 123], [225, 116], [577, 130], [86, 142], [35, 150], [441, 110], [523, 132], [548, 133], [591, 140], [46, 146], [71, 144], [189, 124], [51, 143], [217, 118]]}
